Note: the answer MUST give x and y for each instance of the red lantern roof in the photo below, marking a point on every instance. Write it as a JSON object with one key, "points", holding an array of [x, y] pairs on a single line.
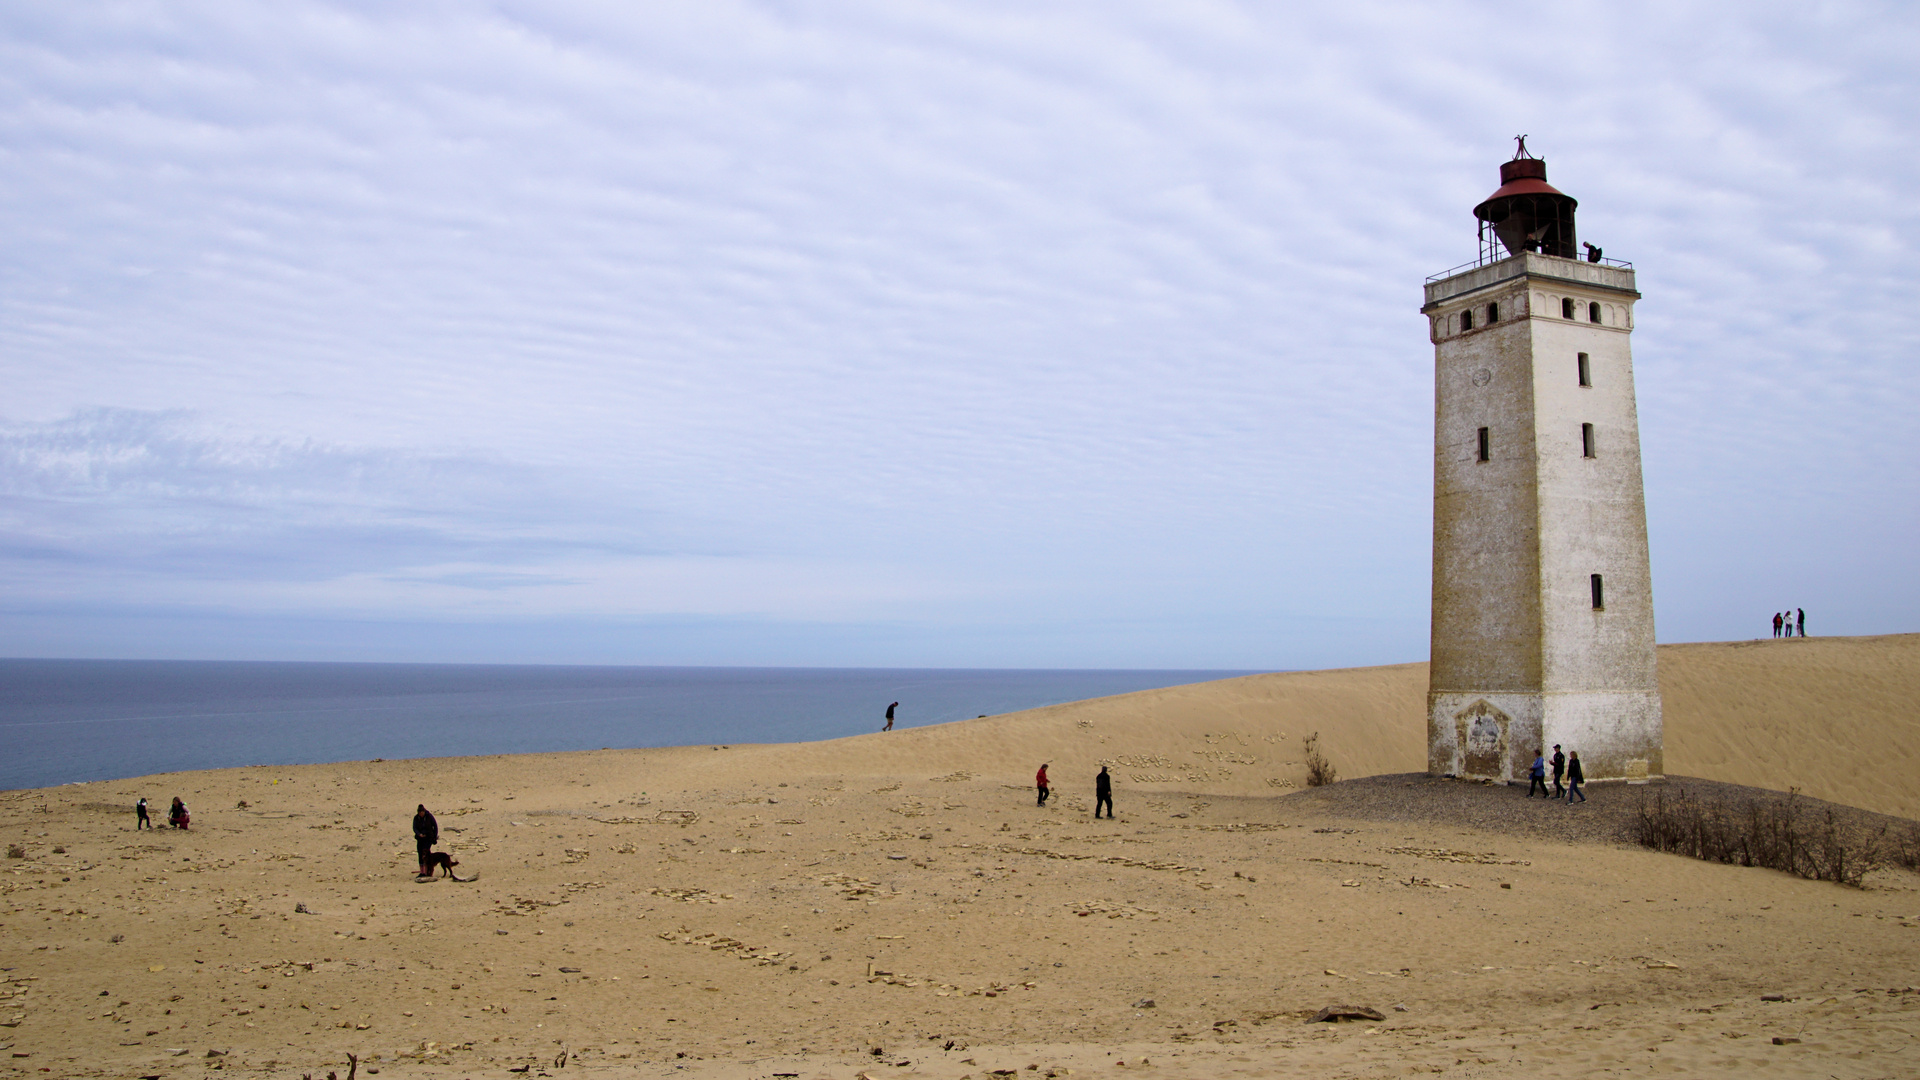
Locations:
{"points": [[1522, 176]]}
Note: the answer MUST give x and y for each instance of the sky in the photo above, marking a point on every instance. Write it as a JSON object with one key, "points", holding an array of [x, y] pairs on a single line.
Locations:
{"points": [[965, 334]]}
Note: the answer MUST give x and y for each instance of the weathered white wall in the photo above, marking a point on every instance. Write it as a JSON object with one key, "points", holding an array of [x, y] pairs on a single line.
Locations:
{"points": [[1516, 537]]}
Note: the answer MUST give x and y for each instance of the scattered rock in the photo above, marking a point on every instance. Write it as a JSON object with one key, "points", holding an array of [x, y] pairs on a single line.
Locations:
{"points": [[1144, 1003], [1333, 1014], [1784, 1040], [570, 971], [1399, 1008], [1773, 997]]}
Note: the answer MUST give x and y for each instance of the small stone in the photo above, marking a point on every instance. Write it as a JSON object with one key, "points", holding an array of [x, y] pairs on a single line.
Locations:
{"points": [[1336, 1013], [1144, 1003], [1399, 1008], [1784, 1040], [1506, 884], [1773, 997]]}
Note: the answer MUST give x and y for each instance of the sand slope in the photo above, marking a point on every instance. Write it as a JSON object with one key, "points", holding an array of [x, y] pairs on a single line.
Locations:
{"points": [[1838, 718]]}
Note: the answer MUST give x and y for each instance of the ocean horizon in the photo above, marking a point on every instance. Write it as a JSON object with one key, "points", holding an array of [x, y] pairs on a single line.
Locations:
{"points": [[72, 721]]}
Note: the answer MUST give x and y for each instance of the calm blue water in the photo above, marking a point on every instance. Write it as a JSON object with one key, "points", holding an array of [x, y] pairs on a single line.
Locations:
{"points": [[68, 720]]}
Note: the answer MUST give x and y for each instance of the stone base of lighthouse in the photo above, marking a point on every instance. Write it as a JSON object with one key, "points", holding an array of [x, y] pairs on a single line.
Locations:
{"points": [[1494, 735]]}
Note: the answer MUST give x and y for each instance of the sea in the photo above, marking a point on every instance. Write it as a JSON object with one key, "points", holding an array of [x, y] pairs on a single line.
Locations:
{"points": [[67, 721]]}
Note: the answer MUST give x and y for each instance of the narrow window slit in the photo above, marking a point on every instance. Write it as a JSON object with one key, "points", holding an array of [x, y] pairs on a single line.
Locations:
{"points": [[1593, 313], [1586, 440], [1599, 593], [1484, 456], [1566, 307], [1586, 371]]}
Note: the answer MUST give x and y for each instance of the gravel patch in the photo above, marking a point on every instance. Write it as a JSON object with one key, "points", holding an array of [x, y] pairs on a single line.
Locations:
{"points": [[1606, 817]]}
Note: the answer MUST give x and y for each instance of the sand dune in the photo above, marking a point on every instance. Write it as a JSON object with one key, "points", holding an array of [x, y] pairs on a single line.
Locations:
{"points": [[1838, 718], [896, 905]]}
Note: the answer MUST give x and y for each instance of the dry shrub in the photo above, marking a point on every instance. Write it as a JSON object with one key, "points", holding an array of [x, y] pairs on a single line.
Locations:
{"points": [[1775, 833], [15, 851], [1903, 847], [1320, 771]]}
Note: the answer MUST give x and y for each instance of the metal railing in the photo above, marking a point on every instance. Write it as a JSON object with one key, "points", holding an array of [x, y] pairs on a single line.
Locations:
{"points": [[1488, 259]]}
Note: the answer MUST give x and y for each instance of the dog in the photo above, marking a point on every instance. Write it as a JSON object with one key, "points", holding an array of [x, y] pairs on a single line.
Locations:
{"points": [[438, 860]]}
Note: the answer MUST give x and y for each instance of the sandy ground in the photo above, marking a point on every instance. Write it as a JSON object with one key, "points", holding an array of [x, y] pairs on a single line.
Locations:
{"points": [[896, 905]]}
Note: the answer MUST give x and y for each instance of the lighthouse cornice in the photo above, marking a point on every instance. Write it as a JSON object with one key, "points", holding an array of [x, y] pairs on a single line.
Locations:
{"points": [[1453, 285]]}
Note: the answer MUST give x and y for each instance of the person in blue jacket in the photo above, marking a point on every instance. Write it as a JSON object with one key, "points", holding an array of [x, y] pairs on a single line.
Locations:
{"points": [[1538, 775]]}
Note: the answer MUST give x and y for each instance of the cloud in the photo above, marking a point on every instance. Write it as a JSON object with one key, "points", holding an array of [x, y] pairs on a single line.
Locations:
{"points": [[155, 510], [1053, 319]]}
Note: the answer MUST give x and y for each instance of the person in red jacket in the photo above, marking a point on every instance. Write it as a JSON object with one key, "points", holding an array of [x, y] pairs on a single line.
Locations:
{"points": [[1040, 780]]}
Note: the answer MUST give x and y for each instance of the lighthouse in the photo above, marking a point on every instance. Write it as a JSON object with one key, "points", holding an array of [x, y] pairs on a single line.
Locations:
{"points": [[1542, 604]]}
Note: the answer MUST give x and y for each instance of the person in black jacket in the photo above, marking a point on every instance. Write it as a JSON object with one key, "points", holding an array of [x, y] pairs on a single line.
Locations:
{"points": [[1575, 777], [1103, 793], [426, 833], [1559, 770]]}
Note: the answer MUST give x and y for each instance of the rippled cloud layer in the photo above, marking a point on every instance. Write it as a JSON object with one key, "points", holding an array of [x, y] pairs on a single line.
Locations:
{"points": [[904, 333]]}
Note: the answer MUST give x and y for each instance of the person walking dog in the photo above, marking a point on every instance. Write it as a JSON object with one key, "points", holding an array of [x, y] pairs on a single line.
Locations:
{"points": [[426, 833]]}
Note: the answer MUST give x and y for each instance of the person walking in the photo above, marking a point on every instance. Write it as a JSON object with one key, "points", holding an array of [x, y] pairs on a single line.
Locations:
{"points": [[1776, 624], [1040, 781], [426, 833], [141, 820], [1559, 767], [1575, 777], [1103, 794], [1537, 775], [890, 709], [1801, 622]]}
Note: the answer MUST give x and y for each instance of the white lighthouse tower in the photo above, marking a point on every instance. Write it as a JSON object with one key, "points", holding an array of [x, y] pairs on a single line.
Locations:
{"points": [[1542, 607]]}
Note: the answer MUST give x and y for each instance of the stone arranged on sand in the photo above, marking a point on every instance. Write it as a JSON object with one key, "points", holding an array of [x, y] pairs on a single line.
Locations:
{"points": [[1333, 1014]]}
